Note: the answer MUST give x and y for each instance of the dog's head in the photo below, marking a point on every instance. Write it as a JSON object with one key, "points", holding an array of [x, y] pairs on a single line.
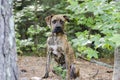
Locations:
{"points": [[56, 22]]}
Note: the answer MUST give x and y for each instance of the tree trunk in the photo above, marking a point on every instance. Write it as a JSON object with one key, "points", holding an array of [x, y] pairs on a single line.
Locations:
{"points": [[35, 25], [116, 73], [8, 56]]}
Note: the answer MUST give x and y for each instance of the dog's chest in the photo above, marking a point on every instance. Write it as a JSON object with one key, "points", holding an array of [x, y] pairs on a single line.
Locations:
{"points": [[55, 41], [56, 44]]}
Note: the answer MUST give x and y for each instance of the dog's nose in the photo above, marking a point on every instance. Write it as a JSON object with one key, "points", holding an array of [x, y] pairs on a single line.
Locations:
{"points": [[58, 27]]}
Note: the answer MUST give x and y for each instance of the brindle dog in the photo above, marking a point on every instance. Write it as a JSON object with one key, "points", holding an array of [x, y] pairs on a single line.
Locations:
{"points": [[58, 46]]}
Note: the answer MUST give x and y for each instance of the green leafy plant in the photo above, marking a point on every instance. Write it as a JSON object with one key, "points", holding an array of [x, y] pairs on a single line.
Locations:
{"points": [[60, 71], [116, 39], [99, 20], [28, 29]]}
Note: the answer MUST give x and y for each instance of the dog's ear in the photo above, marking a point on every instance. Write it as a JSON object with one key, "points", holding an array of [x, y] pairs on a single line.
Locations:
{"points": [[48, 20], [66, 18]]}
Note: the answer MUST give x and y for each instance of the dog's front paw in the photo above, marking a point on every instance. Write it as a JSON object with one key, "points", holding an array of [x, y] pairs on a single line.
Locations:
{"points": [[46, 75]]}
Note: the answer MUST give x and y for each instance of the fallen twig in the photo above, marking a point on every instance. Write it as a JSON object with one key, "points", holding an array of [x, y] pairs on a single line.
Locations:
{"points": [[97, 62]]}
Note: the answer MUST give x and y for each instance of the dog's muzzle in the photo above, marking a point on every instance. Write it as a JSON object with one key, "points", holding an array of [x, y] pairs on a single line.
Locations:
{"points": [[58, 29]]}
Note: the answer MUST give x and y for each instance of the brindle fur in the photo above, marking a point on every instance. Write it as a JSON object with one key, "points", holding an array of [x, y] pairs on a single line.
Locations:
{"points": [[57, 45]]}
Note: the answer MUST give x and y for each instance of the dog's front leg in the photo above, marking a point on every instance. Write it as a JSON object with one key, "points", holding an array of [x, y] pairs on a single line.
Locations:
{"points": [[67, 67], [48, 65]]}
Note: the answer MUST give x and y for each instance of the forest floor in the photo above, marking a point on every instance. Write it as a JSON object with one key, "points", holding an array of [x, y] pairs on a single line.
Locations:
{"points": [[32, 66]]}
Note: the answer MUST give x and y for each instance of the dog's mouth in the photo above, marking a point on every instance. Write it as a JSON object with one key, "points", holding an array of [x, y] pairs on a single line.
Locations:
{"points": [[58, 30]]}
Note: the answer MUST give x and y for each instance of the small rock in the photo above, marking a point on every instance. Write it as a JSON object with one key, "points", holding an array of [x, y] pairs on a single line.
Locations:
{"points": [[36, 78], [24, 78]]}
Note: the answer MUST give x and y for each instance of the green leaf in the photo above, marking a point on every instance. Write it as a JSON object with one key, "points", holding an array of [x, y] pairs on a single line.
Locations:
{"points": [[91, 53], [116, 39]]}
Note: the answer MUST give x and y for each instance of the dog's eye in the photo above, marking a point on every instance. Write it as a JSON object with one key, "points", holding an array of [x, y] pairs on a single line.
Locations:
{"points": [[62, 22], [54, 21]]}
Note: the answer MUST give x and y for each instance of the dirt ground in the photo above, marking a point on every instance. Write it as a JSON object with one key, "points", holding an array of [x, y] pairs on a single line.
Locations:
{"points": [[31, 66]]}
